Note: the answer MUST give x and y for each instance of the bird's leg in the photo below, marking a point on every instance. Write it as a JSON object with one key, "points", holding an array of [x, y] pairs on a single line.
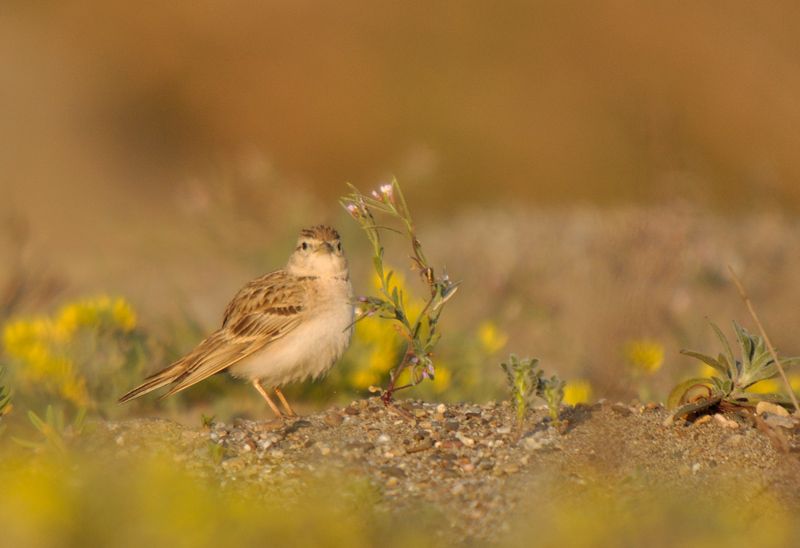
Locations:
{"points": [[285, 403], [257, 386]]}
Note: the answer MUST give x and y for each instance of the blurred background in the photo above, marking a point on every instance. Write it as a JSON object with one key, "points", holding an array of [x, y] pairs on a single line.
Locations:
{"points": [[587, 171]]}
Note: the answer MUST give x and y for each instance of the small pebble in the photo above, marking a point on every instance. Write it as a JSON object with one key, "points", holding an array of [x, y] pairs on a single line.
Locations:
{"points": [[383, 439], [726, 422], [780, 421], [333, 419], [764, 407], [393, 471], [441, 408], [621, 409], [469, 442], [424, 445]]}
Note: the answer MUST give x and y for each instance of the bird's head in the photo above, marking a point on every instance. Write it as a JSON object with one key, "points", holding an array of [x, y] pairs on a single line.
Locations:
{"points": [[318, 253]]}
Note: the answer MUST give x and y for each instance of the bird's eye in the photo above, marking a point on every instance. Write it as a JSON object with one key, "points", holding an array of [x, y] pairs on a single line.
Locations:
{"points": [[338, 246], [304, 245]]}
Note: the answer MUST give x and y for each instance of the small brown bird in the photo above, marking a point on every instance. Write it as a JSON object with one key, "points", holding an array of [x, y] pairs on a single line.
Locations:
{"points": [[285, 326]]}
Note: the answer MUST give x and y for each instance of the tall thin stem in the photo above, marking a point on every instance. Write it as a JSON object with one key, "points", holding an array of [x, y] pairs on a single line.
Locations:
{"points": [[773, 353]]}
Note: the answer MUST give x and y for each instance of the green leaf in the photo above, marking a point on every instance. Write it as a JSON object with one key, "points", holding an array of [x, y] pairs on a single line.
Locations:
{"points": [[752, 398], [723, 385], [707, 360], [757, 375], [726, 345], [790, 362], [37, 422], [746, 345]]}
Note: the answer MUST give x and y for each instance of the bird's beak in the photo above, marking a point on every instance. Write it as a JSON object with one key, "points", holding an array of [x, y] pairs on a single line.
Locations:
{"points": [[327, 247]]}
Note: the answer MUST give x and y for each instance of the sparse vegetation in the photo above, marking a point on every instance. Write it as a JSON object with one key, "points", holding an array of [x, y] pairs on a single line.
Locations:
{"points": [[419, 330], [731, 378], [525, 381]]}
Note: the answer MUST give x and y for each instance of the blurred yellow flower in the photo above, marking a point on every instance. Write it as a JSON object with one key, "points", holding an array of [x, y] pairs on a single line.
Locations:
{"points": [[363, 379], [708, 371], [380, 338], [44, 350], [644, 355], [767, 386], [577, 391], [73, 389], [441, 379], [97, 311], [491, 337], [123, 314], [794, 382]]}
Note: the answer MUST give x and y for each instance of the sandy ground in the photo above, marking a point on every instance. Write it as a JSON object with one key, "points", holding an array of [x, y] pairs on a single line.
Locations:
{"points": [[466, 463]]}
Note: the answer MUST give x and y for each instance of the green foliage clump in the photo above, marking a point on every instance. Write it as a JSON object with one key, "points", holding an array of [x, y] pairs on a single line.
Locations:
{"points": [[525, 381], [419, 329], [732, 377]]}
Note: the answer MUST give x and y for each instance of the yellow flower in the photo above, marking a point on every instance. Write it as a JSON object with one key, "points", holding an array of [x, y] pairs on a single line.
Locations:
{"points": [[577, 391], [491, 338], [644, 355], [794, 382], [441, 379], [95, 312], [708, 371], [73, 388], [43, 347], [364, 379], [19, 336], [123, 314], [767, 386]]}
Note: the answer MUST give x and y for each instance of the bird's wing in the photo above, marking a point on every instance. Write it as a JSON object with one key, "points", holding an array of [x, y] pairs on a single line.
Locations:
{"points": [[263, 311]]}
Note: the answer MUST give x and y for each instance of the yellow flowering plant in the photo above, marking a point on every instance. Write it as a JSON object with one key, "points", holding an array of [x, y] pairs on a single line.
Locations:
{"points": [[577, 391], [644, 355], [419, 330], [81, 356]]}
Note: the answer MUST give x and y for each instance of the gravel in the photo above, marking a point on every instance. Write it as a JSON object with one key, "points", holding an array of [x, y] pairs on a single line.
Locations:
{"points": [[470, 463]]}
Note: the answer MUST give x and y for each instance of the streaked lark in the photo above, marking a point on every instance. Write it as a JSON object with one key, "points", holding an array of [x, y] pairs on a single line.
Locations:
{"points": [[283, 327]]}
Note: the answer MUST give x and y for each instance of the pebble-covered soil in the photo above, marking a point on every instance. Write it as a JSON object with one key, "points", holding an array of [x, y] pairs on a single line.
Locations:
{"points": [[468, 462]]}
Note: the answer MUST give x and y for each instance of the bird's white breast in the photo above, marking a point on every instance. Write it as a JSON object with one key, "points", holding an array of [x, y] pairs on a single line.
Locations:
{"points": [[312, 347]]}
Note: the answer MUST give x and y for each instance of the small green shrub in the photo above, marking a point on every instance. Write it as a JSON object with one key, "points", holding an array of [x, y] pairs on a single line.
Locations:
{"points": [[525, 381], [732, 377]]}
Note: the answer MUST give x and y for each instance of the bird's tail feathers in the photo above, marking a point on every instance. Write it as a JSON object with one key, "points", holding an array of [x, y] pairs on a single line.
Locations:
{"points": [[156, 381]]}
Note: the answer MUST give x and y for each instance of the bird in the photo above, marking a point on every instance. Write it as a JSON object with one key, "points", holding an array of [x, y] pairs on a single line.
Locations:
{"points": [[282, 327]]}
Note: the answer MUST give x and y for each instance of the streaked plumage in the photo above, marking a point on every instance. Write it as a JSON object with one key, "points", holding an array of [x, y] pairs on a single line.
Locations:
{"points": [[282, 327]]}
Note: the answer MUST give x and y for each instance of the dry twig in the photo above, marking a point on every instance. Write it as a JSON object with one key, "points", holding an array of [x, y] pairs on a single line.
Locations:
{"points": [[773, 353]]}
